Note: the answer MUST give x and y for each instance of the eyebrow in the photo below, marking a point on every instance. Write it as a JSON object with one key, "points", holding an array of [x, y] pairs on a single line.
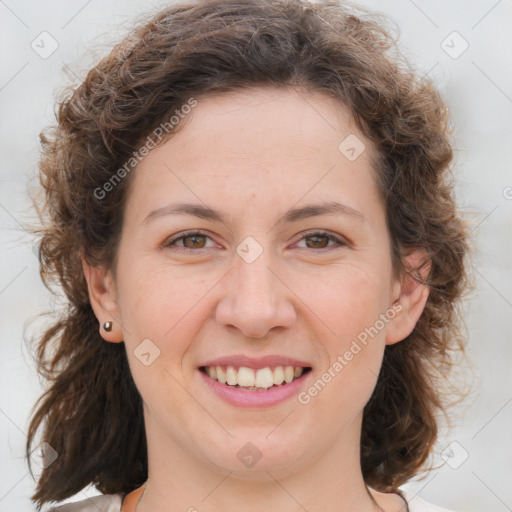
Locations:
{"points": [[292, 215]]}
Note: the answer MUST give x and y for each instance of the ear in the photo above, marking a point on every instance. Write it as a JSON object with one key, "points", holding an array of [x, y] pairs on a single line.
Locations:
{"points": [[103, 298], [410, 296]]}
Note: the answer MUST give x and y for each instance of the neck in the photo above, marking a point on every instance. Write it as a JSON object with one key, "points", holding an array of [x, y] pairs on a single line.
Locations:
{"points": [[331, 481]]}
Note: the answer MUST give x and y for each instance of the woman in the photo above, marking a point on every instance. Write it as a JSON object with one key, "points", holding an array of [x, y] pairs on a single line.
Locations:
{"points": [[247, 206]]}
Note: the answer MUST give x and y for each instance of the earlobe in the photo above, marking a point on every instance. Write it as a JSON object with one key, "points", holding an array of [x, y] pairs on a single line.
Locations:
{"points": [[103, 298], [412, 296]]}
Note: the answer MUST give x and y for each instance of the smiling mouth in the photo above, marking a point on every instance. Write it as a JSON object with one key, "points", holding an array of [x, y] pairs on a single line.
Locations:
{"points": [[251, 379]]}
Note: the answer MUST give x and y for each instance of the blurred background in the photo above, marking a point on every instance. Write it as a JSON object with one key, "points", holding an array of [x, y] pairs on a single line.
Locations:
{"points": [[461, 44]]}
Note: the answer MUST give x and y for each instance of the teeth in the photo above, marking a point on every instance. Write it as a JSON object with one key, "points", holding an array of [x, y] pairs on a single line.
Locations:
{"points": [[245, 377], [278, 375], [231, 376], [221, 375], [262, 378]]}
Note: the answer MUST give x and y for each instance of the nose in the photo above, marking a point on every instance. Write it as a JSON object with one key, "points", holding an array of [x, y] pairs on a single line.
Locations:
{"points": [[256, 300]]}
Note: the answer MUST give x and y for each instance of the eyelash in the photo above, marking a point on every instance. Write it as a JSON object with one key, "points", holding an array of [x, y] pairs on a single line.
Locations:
{"points": [[169, 242]]}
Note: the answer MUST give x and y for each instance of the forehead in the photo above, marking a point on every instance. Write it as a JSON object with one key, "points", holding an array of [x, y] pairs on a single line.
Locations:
{"points": [[258, 145], [271, 119]]}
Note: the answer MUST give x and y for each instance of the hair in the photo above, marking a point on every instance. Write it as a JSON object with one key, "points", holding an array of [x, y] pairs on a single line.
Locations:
{"points": [[91, 410]]}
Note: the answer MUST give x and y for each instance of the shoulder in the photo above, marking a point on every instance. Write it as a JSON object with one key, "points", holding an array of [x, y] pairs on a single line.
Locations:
{"points": [[417, 504], [102, 503]]}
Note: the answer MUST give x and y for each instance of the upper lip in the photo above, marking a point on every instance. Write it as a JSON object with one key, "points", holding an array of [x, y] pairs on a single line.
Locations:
{"points": [[256, 362]]}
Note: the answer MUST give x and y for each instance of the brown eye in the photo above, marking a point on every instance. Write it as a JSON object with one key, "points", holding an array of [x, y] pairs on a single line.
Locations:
{"points": [[318, 241], [321, 239], [196, 241], [192, 240]]}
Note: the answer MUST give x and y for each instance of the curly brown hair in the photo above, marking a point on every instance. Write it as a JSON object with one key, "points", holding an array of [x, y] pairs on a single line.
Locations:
{"points": [[210, 46]]}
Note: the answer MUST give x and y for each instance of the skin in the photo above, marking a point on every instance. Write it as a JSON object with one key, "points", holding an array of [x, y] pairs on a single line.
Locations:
{"points": [[253, 155]]}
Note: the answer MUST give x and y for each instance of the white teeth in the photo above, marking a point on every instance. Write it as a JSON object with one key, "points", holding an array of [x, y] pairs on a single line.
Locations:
{"points": [[245, 377], [221, 376], [231, 376], [288, 374], [262, 378], [278, 375]]}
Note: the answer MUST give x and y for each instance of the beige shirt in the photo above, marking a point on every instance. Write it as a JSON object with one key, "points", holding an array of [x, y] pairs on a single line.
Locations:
{"points": [[112, 503]]}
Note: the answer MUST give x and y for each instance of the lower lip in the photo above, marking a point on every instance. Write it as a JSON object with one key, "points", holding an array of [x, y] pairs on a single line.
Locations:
{"points": [[245, 398]]}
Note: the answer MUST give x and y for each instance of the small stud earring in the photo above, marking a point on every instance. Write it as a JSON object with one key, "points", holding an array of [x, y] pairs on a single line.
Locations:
{"points": [[107, 326]]}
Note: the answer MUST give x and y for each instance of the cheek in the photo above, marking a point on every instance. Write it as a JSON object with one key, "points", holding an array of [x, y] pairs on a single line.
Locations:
{"points": [[348, 298], [161, 304], [351, 303]]}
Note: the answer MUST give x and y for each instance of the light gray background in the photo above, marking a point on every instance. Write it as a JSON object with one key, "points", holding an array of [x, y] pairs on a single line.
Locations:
{"points": [[478, 88]]}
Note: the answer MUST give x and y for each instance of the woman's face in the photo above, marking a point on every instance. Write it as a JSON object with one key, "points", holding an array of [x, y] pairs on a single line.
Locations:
{"points": [[258, 173]]}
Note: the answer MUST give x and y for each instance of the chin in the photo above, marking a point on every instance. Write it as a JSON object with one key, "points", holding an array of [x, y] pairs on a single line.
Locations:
{"points": [[253, 457]]}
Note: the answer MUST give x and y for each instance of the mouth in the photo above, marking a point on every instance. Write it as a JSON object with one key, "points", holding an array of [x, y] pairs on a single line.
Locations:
{"points": [[255, 379]]}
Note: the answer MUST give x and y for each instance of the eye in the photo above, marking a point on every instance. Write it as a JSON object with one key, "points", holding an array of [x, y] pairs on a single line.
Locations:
{"points": [[192, 240], [320, 239]]}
